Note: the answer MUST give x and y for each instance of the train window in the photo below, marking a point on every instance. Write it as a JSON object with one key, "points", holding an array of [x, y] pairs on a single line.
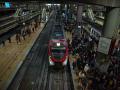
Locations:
{"points": [[58, 51], [58, 34]]}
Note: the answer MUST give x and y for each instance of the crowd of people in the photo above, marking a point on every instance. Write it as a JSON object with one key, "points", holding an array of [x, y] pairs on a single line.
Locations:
{"points": [[25, 31], [89, 76]]}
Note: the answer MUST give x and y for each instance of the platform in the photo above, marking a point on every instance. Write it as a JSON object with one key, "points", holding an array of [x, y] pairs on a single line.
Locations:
{"points": [[12, 55], [101, 62]]}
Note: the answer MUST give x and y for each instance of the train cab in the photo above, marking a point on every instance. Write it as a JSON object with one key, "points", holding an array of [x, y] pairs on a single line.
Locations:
{"points": [[58, 52]]}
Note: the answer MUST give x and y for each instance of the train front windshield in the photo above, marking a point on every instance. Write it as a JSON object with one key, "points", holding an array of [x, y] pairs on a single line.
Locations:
{"points": [[58, 53]]}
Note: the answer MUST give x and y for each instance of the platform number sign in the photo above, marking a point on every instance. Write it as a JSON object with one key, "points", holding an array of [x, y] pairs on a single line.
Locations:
{"points": [[104, 45]]}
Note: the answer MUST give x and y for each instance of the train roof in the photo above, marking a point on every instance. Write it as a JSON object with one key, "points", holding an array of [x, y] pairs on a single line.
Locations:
{"points": [[53, 42], [58, 32]]}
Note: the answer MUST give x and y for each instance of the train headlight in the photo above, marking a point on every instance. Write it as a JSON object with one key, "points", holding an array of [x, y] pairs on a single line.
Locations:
{"points": [[65, 62], [50, 61], [58, 44]]}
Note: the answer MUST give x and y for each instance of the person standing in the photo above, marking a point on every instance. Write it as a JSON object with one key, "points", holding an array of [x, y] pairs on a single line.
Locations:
{"points": [[23, 33], [86, 68], [3, 42], [28, 31], [18, 39], [9, 39]]}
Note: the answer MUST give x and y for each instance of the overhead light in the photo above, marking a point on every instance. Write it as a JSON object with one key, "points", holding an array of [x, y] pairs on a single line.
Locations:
{"points": [[48, 4], [58, 44]]}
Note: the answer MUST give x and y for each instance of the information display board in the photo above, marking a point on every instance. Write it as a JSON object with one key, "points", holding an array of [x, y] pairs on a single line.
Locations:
{"points": [[7, 4], [104, 45]]}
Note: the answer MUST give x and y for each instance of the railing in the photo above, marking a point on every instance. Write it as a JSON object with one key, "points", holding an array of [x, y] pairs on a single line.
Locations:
{"points": [[100, 22], [94, 24]]}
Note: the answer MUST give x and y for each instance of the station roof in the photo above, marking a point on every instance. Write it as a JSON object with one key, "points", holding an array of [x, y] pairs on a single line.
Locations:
{"points": [[110, 3]]}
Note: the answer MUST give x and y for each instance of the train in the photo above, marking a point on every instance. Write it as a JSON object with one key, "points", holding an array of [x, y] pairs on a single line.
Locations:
{"points": [[58, 47]]}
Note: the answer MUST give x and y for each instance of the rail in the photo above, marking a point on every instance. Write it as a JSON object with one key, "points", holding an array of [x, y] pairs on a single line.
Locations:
{"points": [[35, 72]]}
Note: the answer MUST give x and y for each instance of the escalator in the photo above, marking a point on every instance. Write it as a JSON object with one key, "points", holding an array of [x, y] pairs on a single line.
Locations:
{"points": [[17, 12], [90, 13]]}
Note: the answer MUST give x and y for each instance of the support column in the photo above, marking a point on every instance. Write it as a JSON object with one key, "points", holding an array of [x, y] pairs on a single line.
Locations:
{"points": [[111, 22], [79, 13]]}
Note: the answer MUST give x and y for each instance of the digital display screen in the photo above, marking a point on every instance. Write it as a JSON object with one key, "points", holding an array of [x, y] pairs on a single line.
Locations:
{"points": [[7, 4]]}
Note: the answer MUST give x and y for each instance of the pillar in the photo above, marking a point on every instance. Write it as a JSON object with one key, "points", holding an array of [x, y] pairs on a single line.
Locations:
{"points": [[79, 13], [112, 21]]}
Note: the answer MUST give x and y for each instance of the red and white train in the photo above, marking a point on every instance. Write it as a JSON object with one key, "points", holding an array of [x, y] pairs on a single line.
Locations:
{"points": [[57, 47]]}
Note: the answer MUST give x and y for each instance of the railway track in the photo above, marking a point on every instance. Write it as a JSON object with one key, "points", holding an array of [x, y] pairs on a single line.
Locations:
{"points": [[35, 74], [59, 80]]}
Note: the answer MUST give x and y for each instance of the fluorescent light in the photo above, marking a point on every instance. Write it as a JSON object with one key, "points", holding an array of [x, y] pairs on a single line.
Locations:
{"points": [[50, 61]]}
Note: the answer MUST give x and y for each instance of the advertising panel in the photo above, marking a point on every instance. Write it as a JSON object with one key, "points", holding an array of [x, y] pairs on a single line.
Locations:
{"points": [[104, 45]]}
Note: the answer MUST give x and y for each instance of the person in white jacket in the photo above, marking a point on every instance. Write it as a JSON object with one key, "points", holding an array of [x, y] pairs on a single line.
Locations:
{"points": [[86, 68]]}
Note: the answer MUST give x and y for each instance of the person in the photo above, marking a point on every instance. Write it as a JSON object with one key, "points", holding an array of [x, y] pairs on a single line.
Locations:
{"points": [[92, 61], [89, 85], [9, 39], [111, 83], [18, 38], [110, 68], [3, 42], [23, 33], [70, 48], [74, 64], [103, 79], [68, 41], [81, 74], [86, 68], [116, 51], [32, 27], [35, 25], [74, 51], [28, 32], [80, 63]]}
